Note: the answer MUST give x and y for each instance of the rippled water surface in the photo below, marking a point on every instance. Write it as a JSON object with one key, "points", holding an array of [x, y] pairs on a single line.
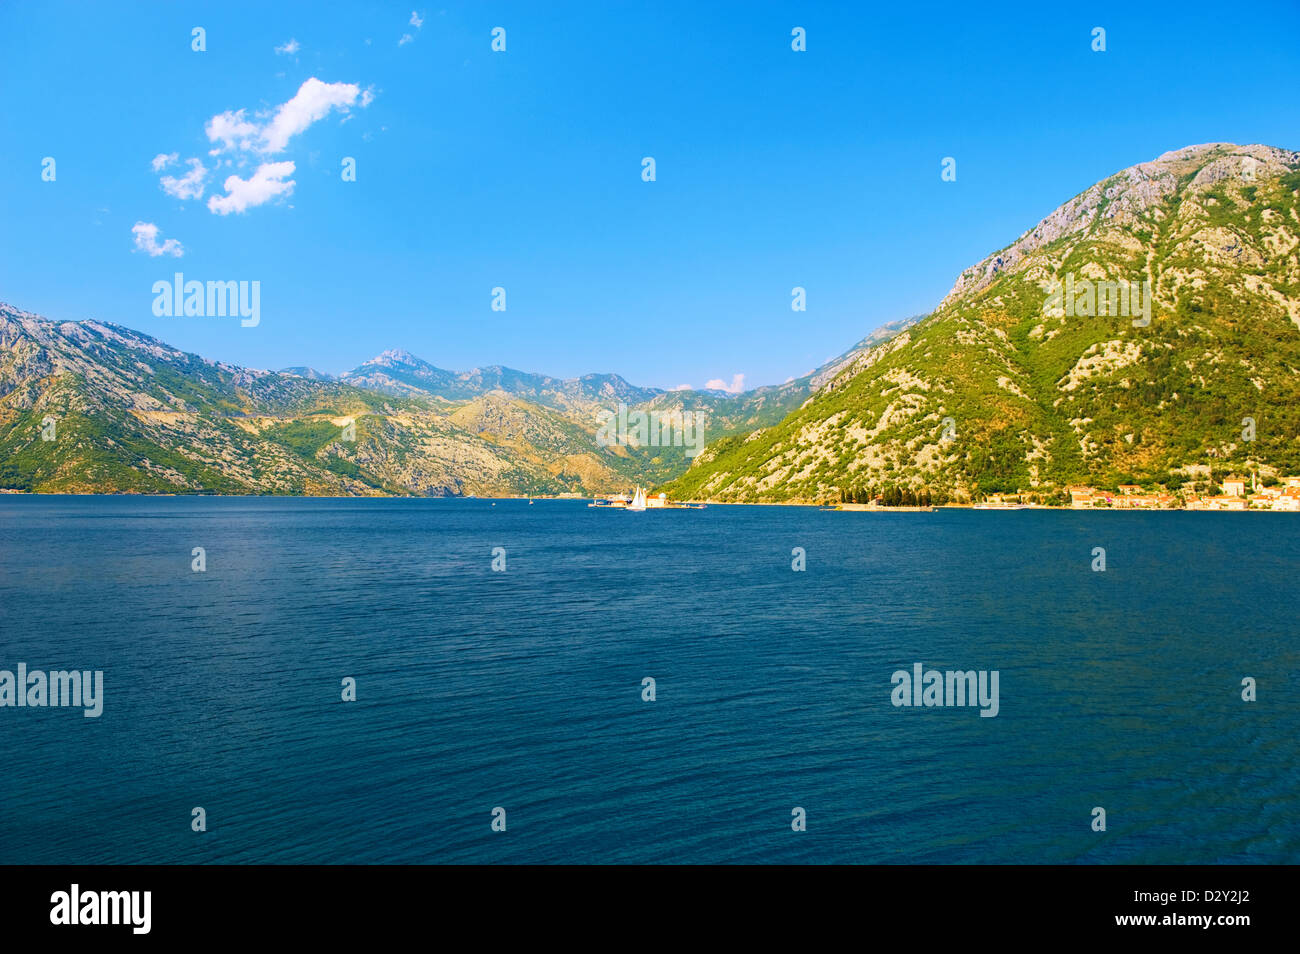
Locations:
{"points": [[522, 689]]}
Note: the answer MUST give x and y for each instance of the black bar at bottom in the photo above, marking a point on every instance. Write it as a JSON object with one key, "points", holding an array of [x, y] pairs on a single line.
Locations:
{"points": [[212, 903]]}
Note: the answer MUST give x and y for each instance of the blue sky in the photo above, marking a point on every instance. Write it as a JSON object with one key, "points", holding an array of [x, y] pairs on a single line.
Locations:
{"points": [[522, 169]]}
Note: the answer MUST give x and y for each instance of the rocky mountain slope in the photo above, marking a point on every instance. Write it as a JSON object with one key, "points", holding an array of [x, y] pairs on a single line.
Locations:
{"points": [[1035, 372], [127, 413]]}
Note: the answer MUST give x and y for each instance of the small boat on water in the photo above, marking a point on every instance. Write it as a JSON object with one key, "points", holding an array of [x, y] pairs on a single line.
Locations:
{"points": [[640, 501]]}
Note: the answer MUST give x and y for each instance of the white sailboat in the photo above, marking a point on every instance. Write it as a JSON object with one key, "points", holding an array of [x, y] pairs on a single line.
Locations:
{"points": [[638, 500]]}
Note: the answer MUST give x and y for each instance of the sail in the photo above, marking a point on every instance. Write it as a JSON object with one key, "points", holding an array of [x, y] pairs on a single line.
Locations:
{"points": [[638, 501]]}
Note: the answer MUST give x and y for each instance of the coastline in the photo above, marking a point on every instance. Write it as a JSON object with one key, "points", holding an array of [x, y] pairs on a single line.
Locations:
{"points": [[828, 508]]}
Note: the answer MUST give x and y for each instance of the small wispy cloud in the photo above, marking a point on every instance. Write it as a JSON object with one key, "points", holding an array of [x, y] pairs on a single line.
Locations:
{"points": [[164, 159], [264, 185], [232, 130], [717, 384], [188, 186], [289, 48], [146, 240], [416, 21]]}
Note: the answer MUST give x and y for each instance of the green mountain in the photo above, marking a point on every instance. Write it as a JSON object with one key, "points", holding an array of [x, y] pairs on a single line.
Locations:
{"points": [[1039, 369], [126, 413]]}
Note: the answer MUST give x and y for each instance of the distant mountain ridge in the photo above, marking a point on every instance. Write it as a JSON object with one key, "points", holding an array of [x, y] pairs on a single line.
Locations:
{"points": [[133, 414], [399, 372], [309, 373]]}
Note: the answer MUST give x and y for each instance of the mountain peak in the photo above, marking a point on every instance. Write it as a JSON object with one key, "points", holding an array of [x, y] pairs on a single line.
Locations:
{"points": [[1129, 200], [395, 356]]}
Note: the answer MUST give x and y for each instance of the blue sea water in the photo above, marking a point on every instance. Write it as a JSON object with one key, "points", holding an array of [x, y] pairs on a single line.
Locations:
{"points": [[523, 689]]}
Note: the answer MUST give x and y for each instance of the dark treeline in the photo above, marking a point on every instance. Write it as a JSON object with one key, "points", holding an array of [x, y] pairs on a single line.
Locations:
{"points": [[892, 496]]}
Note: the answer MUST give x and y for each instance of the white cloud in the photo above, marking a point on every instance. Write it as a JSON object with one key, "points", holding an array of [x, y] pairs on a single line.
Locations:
{"points": [[265, 134], [146, 240], [681, 387], [313, 101], [188, 186], [717, 384], [416, 21], [163, 160], [232, 130], [264, 185], [290, 48]]}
